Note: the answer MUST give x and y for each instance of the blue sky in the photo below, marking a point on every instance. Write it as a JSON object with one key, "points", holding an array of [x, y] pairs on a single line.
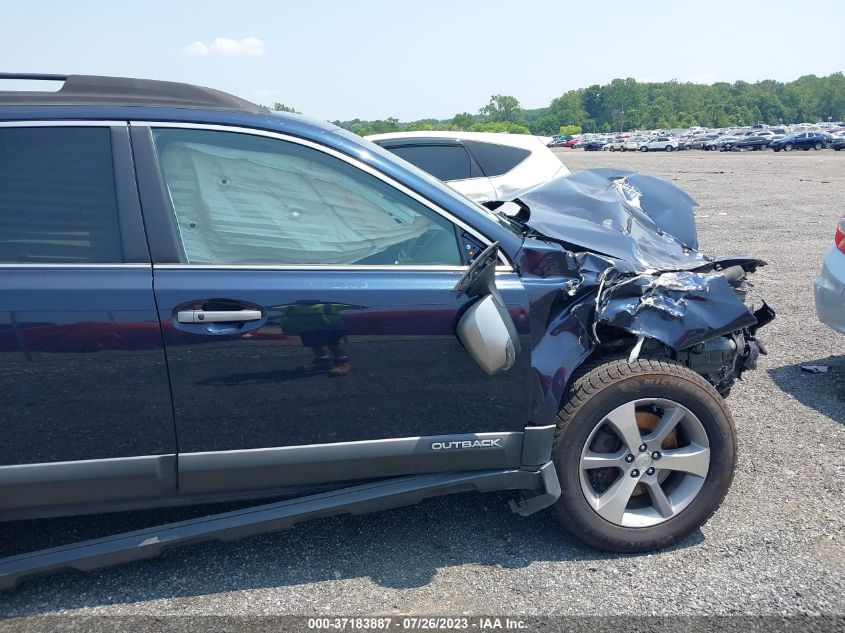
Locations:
{"points": [[376, 58]]}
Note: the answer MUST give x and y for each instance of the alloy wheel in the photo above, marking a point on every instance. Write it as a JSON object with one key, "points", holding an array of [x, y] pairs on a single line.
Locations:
{"points": [[644, 462]]}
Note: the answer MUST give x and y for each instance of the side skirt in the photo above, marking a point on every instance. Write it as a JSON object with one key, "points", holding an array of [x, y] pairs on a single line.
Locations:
{"points": [[228, 526]]}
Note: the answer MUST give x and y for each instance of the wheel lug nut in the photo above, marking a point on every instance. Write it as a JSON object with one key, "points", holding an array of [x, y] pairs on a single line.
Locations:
{"points": [[650, 471], [629, 458], [643, 448], [635, 473], [655, 455]]}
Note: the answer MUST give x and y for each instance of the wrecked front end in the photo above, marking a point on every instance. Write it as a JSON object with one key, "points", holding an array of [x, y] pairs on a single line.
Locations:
{"points": [[610, 276]]}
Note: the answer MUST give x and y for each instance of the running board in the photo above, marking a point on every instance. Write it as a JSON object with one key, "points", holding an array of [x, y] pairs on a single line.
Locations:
{"points": [[540, 482]]}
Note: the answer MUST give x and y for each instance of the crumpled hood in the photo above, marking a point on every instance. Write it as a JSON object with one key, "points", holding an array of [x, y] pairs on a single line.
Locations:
{"points": [[645, 221]]}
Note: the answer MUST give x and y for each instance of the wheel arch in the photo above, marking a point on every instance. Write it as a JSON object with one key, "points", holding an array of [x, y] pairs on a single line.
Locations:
{"points": [[568, 348]]}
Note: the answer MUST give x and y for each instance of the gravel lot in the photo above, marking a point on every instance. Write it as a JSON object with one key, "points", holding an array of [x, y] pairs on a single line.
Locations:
{"points": [[777, 545]]}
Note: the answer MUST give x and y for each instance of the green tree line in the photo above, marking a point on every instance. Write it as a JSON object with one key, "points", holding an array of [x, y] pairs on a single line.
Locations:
{"points": [[626, 104]]}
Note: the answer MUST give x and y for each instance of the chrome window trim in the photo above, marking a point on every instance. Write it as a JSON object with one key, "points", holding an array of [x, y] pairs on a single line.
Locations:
{"points": [[325, 267], [66, 265], [347, 159], [63, 123]]}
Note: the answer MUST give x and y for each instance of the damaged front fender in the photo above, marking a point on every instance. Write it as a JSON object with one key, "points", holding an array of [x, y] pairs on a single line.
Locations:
{"points": [[679, 309], [583, 302]]}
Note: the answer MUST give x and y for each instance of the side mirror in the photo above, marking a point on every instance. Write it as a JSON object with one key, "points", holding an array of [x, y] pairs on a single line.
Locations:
{"points": [[486, 329]]}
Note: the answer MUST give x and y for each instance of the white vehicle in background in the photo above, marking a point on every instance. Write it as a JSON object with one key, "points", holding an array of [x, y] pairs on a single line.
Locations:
{"points": [[632, 144], [481, 165], [763, 133], [615, 145], [658, 143]]}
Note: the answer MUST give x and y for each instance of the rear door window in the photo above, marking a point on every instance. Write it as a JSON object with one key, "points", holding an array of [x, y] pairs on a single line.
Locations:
{"points": [[446, 162], [57, 196], [494, 159]]}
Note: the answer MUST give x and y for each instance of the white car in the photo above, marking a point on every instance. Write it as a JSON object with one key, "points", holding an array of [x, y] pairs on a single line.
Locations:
{"points": [[764, 133], [632, 144], [483, 166], [659, 143], [615, 145]]}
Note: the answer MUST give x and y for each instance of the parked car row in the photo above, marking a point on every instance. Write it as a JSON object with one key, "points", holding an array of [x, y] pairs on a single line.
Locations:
{"points": [[785, 138]]}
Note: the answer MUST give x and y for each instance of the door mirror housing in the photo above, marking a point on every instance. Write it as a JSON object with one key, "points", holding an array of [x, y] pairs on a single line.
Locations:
{"points": [[486, 329]]}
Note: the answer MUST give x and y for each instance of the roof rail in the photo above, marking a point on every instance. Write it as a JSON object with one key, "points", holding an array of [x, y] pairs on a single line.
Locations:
{"points": [[122, 91], [35, 76]]}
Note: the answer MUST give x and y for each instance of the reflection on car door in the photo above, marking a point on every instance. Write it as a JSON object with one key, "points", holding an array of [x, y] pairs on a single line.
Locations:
{"points": [[85, 406], [308, 315]]}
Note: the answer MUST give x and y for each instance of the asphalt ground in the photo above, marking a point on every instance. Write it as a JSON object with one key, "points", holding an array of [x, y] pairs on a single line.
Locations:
{"points": [[776, 546]]}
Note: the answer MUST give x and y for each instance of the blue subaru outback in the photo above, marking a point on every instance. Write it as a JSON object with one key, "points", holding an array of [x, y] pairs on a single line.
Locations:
{"points": [[204, 301]]}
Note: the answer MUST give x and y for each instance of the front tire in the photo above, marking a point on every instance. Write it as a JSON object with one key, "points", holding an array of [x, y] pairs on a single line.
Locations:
{"points": [[643, 149], [617, 495], [668, 148]]}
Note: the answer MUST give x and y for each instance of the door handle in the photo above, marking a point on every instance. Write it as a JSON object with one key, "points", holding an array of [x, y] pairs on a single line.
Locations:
{"points": [[217, 316]]}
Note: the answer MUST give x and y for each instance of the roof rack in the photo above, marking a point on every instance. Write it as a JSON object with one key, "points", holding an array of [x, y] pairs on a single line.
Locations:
{"points": [[123, 91]]}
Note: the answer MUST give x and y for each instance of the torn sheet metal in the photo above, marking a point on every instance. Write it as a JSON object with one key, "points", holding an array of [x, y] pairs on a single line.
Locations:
{"points": [[679, 309], [579, 298], [643, 220]]}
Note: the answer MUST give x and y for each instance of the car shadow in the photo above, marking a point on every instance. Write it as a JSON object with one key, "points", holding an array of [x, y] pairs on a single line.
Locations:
{"points": [[401, 549], [823, 392]]}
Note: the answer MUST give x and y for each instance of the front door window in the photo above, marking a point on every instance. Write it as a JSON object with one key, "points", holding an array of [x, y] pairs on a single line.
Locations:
{"points": [[242, 199]]}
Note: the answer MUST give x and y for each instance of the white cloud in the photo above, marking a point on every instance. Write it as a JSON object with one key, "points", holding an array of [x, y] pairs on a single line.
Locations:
{"points": [[228, 46], [197, 48]]}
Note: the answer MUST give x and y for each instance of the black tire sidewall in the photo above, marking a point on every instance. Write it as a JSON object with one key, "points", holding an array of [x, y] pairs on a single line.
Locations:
{"points": [[584, 521]]}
